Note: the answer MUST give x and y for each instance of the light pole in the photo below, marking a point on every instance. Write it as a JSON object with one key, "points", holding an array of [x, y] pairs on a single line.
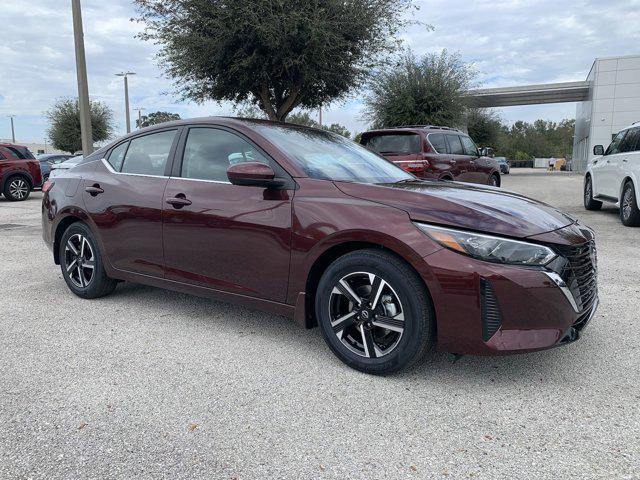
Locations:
{"points": [[139, 116], [126, 96], [13, 131], [83, 86]]}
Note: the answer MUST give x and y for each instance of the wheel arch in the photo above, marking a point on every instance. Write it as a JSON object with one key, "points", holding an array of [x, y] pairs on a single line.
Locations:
{"points": [[305, 313], [66, 219], [17, 173], [629, 178]]}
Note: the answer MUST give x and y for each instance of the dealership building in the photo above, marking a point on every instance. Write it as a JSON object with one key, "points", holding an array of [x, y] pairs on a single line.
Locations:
{"points": [[607, 101]]}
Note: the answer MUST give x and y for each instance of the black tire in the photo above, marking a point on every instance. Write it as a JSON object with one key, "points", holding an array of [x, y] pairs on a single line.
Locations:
{"points": [[417, 326], [83, 280], [587, 196], [494, 180], [629, 213], [17, 188]]}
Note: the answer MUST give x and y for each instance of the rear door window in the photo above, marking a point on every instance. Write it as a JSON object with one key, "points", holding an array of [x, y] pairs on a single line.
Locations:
{"points": [[394, 144], [455, 145], [438, 142], [117, 156], [148, 155]]}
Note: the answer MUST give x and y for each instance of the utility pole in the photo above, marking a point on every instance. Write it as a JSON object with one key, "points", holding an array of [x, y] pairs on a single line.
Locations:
{"points": [[320, 115], [83, 86], [139, 116], [126, 96], [13, 130]]}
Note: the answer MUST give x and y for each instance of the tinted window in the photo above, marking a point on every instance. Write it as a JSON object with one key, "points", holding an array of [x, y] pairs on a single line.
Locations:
{"points": [[209, 152], [438, 142], [614, 147], [394, 144], [2, 157], [329, 156], [117, 155], [148, 155], [455, 146], [631, 140], [17, 153], [469, 147]]}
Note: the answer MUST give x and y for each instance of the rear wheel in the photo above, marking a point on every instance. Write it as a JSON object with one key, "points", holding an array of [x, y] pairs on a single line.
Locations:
{"points": [[589, 202], [374, 312], [81, 263], [629, 213], [17, 188]]}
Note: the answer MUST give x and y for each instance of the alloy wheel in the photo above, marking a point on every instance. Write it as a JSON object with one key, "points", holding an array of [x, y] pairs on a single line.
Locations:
{"points": [[366, 314], [79, 260], [18, 189], [627, 203], [587, 192]]}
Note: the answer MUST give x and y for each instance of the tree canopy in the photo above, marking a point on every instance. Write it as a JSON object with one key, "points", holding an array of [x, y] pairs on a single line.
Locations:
{"points": [[64, 128], [303, 118], [277, 54], [484, 127], [420, 91], [542, 138], [154, 118]]}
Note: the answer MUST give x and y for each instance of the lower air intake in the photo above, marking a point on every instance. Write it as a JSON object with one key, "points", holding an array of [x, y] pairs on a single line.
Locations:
{"points": [[490, 310]]}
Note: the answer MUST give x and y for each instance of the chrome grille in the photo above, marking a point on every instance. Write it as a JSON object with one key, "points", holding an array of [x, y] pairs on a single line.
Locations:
{"points": [[580, 273]]}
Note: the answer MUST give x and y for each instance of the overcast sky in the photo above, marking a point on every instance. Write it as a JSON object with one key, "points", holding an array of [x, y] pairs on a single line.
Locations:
{"points": [[510, 42]]}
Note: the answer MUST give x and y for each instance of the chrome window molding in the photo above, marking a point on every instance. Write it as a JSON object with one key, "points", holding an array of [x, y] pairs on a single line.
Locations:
{"points": [[561, 284], [108, 166]]}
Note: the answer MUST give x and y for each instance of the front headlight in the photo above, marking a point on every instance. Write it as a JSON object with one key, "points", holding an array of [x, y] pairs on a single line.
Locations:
{"points": [[489, 248]]}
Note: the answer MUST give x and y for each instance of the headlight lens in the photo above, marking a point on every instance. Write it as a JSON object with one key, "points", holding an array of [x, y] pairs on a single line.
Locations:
{"points": [[489, 248]]}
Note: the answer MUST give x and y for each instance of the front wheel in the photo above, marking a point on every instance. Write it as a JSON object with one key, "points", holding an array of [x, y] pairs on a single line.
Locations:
{"points": [[17, 189], [81, 263], [589, 202], [494, 180], [374, 312], [629, 213]]}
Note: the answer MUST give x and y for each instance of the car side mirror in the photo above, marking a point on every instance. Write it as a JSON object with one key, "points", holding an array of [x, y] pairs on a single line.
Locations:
{"points": [[598, 150], [253, 174]]}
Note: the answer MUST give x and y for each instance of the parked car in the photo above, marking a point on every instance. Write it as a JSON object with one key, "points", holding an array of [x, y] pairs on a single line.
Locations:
{"points": [[503, 165], [614, 176], [68, 163], [19, 172], [313, 226], [47, 160], [432, 152]]}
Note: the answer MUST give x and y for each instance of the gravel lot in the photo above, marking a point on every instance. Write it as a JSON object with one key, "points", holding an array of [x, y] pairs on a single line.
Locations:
{"points": [[153, 384]]}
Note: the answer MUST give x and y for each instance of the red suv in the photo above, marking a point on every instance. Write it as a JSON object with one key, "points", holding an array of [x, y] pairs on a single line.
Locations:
{"points": [[432, 152], [19, 172]]}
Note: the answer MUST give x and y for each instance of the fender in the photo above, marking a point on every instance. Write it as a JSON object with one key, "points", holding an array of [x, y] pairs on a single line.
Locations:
{"points": [[16, 171]]}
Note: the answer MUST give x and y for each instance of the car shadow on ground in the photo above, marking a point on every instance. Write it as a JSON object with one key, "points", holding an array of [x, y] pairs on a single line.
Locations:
{"points": [[436, 367]]}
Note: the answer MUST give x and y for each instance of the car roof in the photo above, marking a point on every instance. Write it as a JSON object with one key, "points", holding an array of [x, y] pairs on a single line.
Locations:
{"points": [[7, 144], [415, 129]]}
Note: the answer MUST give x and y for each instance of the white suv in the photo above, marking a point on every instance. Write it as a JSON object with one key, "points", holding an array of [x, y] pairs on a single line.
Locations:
{"points": [[614, 176]]}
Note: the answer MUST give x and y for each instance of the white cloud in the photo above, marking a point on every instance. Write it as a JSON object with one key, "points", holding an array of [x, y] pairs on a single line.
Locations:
{"points": [[509, 42]]}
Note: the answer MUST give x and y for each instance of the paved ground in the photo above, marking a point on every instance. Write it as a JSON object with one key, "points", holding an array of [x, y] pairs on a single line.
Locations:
{"points": [[154, 384]]}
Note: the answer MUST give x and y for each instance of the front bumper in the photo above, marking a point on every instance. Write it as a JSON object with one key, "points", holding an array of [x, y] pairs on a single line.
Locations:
{"points": [[526, 310]]}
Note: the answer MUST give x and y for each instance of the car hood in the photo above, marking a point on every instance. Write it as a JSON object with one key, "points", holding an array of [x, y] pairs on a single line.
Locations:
{"points": [[466, 206]]}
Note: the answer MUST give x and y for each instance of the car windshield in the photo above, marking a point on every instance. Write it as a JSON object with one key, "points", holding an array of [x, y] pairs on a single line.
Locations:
{"points": [[329, 156]]}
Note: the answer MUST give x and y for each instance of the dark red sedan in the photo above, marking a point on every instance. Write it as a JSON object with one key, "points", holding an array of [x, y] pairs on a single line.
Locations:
{"points": [[305, 223]]}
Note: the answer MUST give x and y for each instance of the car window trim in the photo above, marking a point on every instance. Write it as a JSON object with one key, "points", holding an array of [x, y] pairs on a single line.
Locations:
{"points": [[170, 158], [176, 172]]}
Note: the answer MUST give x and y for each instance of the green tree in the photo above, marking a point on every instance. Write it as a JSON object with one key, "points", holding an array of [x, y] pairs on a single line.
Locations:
{"points": [[541, 138], [154, 118], [277, 54], [427, 90], [304, 118], [64, 124], [484, 127]]}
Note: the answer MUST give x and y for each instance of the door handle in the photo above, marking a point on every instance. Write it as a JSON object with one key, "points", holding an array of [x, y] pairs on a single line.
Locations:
{"points": [[624, 160], [452, 161], [608, 161], [178, 201], [472, 162], [94, 190]]}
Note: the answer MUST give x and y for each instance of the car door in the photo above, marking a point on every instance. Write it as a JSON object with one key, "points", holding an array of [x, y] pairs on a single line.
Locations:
{"points": [[626, 160], [605, 176], [124, 196], [461, 164], [479, 168], [223, 236]]}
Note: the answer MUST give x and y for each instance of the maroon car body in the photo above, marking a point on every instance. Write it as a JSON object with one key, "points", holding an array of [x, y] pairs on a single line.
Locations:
{"points": [[433, 152], [18, 167], [268, 248]]}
